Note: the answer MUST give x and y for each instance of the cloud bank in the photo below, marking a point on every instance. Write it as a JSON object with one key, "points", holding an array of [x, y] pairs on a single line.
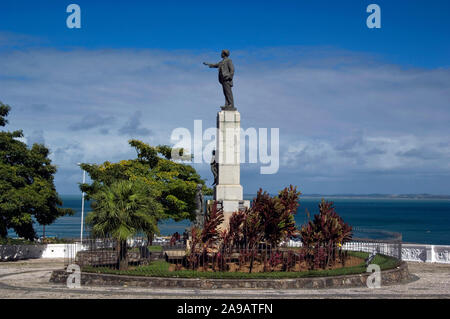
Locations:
{"points": [[349, 122]]}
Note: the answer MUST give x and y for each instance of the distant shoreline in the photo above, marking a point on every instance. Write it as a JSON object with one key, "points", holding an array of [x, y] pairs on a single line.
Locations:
{"points": [[437, 197], [374, 196], [345, 196]]}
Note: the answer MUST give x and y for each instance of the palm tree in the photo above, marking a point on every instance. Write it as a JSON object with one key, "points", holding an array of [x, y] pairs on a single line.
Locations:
{"points": [[120, 211]]}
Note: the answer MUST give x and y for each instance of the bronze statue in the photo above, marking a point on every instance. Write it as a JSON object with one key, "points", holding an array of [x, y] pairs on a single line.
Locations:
{"points": [[199, 211], [214, 167], [226, 73]]}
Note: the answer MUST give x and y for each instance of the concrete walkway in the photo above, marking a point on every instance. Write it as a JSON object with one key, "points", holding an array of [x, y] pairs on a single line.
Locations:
{"points": [[30, 279]]}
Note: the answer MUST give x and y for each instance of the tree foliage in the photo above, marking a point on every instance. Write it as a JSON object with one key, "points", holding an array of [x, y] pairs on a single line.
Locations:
{"points": [[123, 209], [171, 184], [27, 188]]}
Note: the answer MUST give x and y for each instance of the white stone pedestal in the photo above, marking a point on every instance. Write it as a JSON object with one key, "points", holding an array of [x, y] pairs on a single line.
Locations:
{"points": [[228, 191]]}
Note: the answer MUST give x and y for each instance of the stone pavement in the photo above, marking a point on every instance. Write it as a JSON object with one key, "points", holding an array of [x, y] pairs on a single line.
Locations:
{"points": [[30, 279]]}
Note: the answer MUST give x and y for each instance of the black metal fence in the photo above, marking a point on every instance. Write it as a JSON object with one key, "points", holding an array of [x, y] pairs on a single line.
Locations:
{"points": [[107, 252], [291, 255], [371, 241]]}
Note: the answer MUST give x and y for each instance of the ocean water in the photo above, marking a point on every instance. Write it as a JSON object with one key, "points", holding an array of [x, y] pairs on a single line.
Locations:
{"points": [[418, 220]]}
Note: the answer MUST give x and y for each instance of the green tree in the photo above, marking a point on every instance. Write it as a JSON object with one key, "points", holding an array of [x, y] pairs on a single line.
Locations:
{"points": [[121, 210], [173, 185], [27, 189]]}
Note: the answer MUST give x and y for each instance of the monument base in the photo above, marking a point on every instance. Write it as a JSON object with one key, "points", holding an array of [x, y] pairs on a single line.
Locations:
{"points": [[230, 192]]}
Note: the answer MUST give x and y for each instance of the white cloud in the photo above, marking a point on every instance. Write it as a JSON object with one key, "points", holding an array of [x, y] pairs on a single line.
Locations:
{"points": [[406, 153], [338, 112]]}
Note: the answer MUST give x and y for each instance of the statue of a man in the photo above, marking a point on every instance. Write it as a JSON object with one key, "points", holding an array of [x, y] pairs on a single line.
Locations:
{"points": [[199, 211], [226, 73], [214, 167]]}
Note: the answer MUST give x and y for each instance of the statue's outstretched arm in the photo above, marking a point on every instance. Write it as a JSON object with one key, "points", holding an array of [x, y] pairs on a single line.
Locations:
{"points": [[215, 65]]}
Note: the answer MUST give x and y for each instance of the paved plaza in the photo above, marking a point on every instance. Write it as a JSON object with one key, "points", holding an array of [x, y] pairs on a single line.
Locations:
{"points": [[30, 279]]}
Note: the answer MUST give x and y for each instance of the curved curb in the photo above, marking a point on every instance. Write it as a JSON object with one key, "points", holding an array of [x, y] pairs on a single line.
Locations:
{"points": [[397, 275]]}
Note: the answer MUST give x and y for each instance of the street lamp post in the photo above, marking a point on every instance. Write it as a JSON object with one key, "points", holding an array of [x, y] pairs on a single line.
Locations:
{"points": [[82, 207]]}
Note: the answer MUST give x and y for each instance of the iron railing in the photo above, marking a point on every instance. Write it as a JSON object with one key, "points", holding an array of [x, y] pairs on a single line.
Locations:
{"points": [[291, 255]]}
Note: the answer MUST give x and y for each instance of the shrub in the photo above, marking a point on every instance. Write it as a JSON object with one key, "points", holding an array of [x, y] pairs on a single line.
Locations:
{"points": [[289, 260], [192, 255], [275, 260], [258, 231], [235, 232], [324, 236], [276, 214], [205, 238], [213, 219]]}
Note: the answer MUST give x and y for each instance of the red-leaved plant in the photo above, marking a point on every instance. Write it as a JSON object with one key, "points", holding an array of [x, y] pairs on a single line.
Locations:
{"points": [[277, 213], [324, 236], [193, 253], [213, 219]]}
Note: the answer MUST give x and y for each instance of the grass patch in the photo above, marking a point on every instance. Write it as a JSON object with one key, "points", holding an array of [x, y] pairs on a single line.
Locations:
{"points": [[155, 249], [152, 249], [160, 268]]}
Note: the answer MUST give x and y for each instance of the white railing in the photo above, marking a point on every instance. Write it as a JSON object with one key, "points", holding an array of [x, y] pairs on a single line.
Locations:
{"points": [[410, 252]]}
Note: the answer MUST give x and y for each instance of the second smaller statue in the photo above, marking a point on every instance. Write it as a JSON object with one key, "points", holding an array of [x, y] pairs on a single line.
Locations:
{"points": [[200, 207]]}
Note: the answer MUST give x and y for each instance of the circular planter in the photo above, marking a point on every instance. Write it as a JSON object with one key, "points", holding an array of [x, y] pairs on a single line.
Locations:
{"points": [[397, 275]]}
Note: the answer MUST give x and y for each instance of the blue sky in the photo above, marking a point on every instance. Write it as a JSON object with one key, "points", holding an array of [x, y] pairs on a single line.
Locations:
{"points": [[359, 110], [412, 33]]}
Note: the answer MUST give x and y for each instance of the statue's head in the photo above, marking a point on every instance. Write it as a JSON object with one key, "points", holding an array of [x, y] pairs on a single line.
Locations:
{"points": [[199, 187], [225, 53]]}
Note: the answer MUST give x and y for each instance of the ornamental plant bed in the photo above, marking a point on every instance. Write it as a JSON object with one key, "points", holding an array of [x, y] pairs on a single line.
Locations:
{"points": [[259, 267], [160, 268]]}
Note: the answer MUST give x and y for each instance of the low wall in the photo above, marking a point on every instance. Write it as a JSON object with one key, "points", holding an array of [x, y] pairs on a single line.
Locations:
{"points": [[104, 257], [426, 253], [388, 277], [18, 252]]}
